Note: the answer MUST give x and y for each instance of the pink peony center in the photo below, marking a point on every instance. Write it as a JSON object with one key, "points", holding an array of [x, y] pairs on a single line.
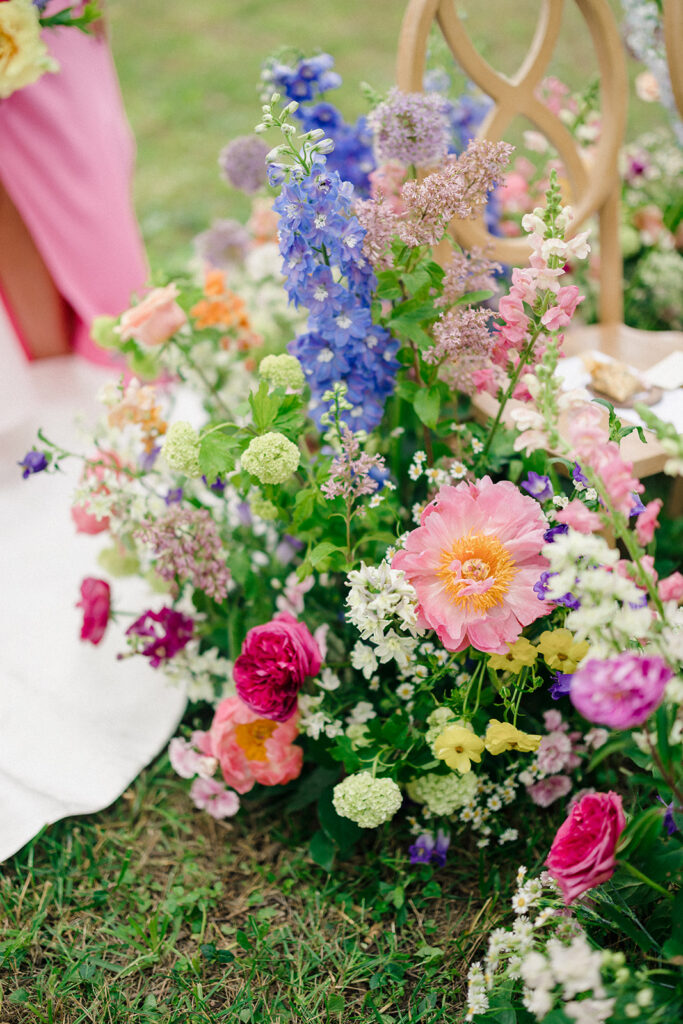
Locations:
{"points": [[252, 736], [477, 572]]}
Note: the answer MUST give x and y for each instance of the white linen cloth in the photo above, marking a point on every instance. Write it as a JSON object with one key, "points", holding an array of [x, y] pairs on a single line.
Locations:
{"points": [[76, 725]]}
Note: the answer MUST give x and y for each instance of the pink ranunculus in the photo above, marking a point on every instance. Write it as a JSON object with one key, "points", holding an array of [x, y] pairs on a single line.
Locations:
{"points": [[646, 523], [474, 561], [580, 518], [547, 791], [250, 748], [276, 658], [583, 851], [620, 692], [212, 796], [95, 602], [85, 521], [671, 588], [155, 319], [554, 752]]}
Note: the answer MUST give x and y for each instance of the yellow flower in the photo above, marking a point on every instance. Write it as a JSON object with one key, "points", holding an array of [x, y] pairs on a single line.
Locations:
{"points": [[458, 746], [502, 736], [560, 650], [23, 55], [522, 652]]}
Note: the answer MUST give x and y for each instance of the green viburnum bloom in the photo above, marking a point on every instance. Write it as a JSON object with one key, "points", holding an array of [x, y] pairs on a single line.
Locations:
{"points": [[366, 800], [181, 449], [282, 371], [263, 508], [118, 561], [271, 458], [443, 794]]}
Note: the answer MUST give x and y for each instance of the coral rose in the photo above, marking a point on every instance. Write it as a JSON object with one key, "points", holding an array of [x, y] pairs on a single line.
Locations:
{"points": [[276, 658], [583, 851], [252, 749], [95, 602], [155, 319], [473, 562]]}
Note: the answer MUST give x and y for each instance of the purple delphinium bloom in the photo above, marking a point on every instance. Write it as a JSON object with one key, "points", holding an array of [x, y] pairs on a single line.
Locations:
{"points": [[218, 486], [168, 631], [620, 692], [243, 163], [669, 820], [174, 495], [224, 245], [562, 685], [147, 459], [637, 506], [33, 462], [412, 128], [541, 590], [538, 486], [555, 531], [578, 476]]}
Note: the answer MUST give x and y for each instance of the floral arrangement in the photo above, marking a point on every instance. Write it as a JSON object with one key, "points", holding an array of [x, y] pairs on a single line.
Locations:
{"points": [[24, 57], [380, 603]]}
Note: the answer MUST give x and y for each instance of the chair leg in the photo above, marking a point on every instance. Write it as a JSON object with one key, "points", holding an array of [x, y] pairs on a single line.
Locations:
{"points": [[38, 312]]}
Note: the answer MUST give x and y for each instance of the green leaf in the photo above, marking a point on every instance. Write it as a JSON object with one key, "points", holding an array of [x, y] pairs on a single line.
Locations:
{"points": [[216, 455], [242, 940], [471, 298], [304, 504], [311, 787], [342, 831], [321, 552], [642, 831], [427, 406], [335, 1003], [611, 747], [322, 850], [264, 407]]}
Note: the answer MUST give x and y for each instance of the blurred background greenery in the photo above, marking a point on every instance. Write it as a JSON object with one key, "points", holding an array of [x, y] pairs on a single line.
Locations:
{"points": [[189, 74]]}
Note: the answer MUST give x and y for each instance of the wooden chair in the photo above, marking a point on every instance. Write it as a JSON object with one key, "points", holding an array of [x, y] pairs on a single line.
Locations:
{"points": [[594, 189]]}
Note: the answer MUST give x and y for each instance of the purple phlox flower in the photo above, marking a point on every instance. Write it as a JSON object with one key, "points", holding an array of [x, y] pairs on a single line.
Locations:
{"points": [[561, 686], [538, 486], [33, 462], [637, 506], [188, 548], [174, 495], [146, 460], [555, 531], [350, 471], [168, 631], [578, 476], [224, 245], [669, 820], [243, 163], [428, 850]]}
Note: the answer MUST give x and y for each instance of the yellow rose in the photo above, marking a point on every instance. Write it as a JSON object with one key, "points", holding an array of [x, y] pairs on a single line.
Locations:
{"points": [[23, 54], [502, 736], [458, 746]]}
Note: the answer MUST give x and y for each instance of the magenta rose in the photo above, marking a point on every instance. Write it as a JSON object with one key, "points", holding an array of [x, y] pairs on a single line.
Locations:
{"points": [[276, 658], [583, 851], [620, 692], [95, 602]]}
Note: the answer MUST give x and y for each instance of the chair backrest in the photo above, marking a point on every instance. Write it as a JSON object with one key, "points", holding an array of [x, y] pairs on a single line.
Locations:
{"points": [[673, 40], [594, 188]]}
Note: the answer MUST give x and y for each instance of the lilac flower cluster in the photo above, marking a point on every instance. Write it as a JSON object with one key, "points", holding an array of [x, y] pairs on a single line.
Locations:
{"points": [[243, 163], [167, 630], [351, 473], [321, 242], [188, 548], [223, 245], [411, 128], [463, 344]]}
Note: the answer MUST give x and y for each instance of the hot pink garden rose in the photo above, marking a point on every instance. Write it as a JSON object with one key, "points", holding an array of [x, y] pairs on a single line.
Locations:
{"points": [[583, 851], [95, 602], [276, 658], [252, 749], [474, 561], [155, 319], [620, 692]]}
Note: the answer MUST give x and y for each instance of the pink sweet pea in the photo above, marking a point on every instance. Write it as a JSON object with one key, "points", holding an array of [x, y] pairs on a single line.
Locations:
{"points": [[187, 761], [580, 518], [213, 797], [95, 602], [646, 523], [155, 319], [583, 852], [276, 658]]}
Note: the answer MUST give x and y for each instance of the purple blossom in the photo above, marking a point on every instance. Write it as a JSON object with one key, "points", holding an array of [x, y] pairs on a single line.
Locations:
{"points": [[174, 495], [555, 531], [620, 692], [578, 475], [33, 462], [188, 548], [350, 473], [168, 630], [146, 460], [243, 163], [426, 849], [538, 486], [561, 686], [411, 127], [669, 819], [637, 506], [224, 245]]}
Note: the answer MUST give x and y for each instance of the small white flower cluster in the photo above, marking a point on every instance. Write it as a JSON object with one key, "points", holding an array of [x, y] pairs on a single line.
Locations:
{"points": [[381, 601], [206, 676], [313, 720]]}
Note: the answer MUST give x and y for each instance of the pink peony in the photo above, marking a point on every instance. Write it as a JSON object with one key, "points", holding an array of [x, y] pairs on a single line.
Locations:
{"points": [[620, 692], [580, 518], [85, 521], [547, 791], [155, 319], [212, 796], [276, 658], [252, 749], [583, 851], [474, 561], [554, 752], [95, 602], [646, 523]]}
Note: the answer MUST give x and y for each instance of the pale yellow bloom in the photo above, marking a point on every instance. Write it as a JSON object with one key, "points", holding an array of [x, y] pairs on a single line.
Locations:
{"points": [[502, 736], [23, 54], [560, 650], [521, 653], [458, 747]]}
